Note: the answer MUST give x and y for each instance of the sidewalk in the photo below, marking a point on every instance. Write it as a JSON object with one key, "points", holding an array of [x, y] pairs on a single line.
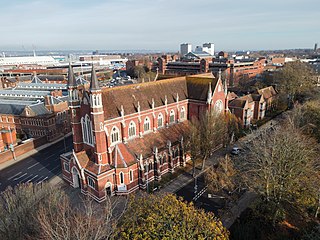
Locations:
{"points": [[185, 178], [30, 153], [244, 202]]}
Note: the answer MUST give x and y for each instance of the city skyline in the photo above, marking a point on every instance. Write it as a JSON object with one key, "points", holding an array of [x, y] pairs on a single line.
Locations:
{"points": [[161, 25]]}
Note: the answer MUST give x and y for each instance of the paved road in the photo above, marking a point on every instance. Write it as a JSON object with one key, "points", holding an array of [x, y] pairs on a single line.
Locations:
{"points": [[37, 168], [200, 199]]}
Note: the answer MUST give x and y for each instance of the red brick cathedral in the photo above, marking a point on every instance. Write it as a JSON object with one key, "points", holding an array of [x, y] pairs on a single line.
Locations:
{"points": [[126, 136]]}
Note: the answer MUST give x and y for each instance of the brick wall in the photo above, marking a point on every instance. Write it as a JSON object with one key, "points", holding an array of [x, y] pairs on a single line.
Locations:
{"points": [[22, 149]]}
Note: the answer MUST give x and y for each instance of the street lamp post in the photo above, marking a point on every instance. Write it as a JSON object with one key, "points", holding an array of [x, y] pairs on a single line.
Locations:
{"points": [[195, 186], [147, 173]]}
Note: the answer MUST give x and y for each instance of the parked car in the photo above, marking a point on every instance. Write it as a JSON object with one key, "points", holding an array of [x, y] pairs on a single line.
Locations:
{"points": [[235, 150]]}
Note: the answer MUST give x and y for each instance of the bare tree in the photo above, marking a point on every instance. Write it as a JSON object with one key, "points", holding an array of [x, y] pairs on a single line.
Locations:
{"points": [[19, 207], [280, 166], [221, 176], [294, 78], [88, 221]]}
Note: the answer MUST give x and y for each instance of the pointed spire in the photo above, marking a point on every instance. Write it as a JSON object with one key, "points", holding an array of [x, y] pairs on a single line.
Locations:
{"points": [[94, 85], [71, 77]]}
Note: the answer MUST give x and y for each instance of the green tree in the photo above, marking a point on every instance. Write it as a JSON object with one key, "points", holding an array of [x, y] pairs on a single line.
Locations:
{"points": [[166, 217]]}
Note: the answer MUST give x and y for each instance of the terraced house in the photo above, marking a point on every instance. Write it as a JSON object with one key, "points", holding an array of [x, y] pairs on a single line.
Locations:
{"points": [[127, 136]]}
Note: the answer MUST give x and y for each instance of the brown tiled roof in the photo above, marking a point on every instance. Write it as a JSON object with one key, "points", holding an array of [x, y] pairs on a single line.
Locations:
{"points": [[121, 157], [195, 87], [231, 96], [237, 103], [256, 97], [146, 144], [91, 166], [247, 98], [267, 92]]}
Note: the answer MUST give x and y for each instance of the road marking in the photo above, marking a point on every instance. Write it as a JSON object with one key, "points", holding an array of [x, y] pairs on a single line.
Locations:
{"points": [[32, 178], [54, 168], [33, 165], [44, 167], [43, 180], [22, 180], [20, 177], [50, 156], [14, 176], [30, 161], [200, 194]]}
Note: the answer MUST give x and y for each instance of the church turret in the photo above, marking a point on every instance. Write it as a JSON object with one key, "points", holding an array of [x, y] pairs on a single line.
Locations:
{"points": [[97, 116], [74, 104]]}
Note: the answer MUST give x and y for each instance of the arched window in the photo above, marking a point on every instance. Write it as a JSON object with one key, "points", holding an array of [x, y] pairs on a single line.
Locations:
{"points": [[172, 117], [87, 130], [150, 166], [160, 159], [160, 120], [91, 183], [115, 135], [218, 106], [182, 113], [146, 125], [132, 129], [131, 175], [121, 176]]}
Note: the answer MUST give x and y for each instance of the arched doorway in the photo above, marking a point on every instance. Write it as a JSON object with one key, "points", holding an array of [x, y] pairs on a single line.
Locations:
{"points": [[75, 178], [108, 189]]}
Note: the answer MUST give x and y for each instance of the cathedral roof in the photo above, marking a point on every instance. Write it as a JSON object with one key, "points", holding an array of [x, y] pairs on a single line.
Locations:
{"points": [[159, 139], [191, 87]]}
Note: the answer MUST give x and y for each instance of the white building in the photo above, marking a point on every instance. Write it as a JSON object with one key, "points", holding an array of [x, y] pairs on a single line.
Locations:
{"points": [[209, 48], [185, 48], [29, 60]]}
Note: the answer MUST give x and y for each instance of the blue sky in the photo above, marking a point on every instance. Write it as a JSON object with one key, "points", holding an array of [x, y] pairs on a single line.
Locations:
{"points": [[158, 24]]}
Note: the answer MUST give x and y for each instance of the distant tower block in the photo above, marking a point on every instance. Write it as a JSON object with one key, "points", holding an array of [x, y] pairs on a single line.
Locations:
{"points": [[315, 47], [185, 48], [210, 47]]}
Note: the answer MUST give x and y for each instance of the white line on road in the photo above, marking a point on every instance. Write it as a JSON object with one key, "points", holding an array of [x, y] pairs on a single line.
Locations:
{"points": [[44, 167], [14, 175], [33, 165], [20, 177], [22, 180], [32, 178], [43, 180], [55, 168], [50, 156]]}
